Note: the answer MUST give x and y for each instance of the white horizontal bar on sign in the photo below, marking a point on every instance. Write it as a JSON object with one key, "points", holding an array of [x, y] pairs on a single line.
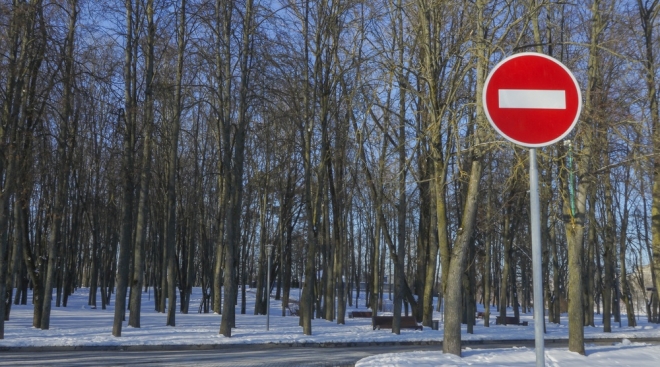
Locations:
{"points": [[532, 99]]}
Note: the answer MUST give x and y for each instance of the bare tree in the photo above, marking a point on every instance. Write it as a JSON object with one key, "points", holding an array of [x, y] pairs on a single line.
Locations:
{"points": [[127, 118], [575, 210], [234, 186], [65, 146], [648, 13], [172, 152], [137, 278]]}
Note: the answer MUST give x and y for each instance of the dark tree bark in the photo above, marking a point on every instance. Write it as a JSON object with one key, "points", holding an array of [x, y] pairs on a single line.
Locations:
{"points": [[170, 234], [65, 146], [137, 278], [648, 13], [235, 189], [127, 120]]}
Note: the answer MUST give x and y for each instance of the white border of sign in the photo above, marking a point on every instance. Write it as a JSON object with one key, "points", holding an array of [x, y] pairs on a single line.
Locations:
{"points": [[577, 88]]}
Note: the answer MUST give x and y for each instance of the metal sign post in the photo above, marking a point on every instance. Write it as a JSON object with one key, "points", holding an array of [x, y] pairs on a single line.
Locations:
{"points": [[537, 276], [269, 249]]}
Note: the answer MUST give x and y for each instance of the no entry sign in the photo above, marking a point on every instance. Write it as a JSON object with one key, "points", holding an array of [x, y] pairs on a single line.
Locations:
{"points": [[532, 99]]}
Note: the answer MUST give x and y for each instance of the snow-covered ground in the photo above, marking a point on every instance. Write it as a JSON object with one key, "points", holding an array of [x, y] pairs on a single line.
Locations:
{"points": [[79, 325], [620, 354]]}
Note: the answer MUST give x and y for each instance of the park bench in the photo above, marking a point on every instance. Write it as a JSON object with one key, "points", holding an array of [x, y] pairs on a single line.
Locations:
{"points": [[293, 307], [510, 320], [385, 322], [362, 314]]}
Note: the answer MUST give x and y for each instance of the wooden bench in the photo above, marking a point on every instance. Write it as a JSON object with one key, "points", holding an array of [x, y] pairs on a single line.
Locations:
{"points": [[362, 314], [293, 307], [480, 315], [385, 322], [510, 320]]}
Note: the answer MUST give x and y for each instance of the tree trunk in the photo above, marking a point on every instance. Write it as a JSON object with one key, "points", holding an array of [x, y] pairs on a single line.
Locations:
{"points": [[452, 329], [235, 191], [589, 267], [487, 266], [145, 178], [26, 38], [64, 153], [648, 14], [307, 299], [4, 238], [626, 295], [223, 65], [609, 255], [260, 301], [452, 332], [171, 217], [339, 237], [556, 289], [574, 235], [430, 283], [575, 208], [128, 116], [399, 271], [506, 268]]}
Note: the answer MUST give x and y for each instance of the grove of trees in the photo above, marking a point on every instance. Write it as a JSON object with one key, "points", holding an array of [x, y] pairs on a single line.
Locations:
{"points": [[161, 145]]}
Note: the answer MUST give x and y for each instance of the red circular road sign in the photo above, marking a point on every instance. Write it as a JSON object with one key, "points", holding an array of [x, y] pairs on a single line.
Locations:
{"points": [[532, 99]]}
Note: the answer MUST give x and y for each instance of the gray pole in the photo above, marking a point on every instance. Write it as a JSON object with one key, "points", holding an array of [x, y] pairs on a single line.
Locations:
{"points": [[537, 276], [617, 272], [269, 249]]}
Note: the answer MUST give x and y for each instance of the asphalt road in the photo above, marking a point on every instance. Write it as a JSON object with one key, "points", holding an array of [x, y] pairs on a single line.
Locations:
{"points": [[239, 356]]}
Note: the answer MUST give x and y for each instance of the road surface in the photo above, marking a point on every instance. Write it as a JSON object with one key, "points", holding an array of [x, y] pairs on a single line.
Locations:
{"points": [[242, 355]]}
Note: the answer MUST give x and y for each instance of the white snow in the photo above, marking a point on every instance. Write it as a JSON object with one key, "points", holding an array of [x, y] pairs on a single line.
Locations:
{"points": [[632, 354], [80, 325]]}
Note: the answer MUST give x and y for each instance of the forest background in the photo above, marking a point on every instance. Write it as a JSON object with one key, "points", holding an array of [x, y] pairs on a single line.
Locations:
{"points": [[160, 144]]}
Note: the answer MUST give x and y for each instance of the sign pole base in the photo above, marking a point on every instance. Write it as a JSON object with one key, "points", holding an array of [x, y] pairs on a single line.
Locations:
{"points": [[537, 264]]}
